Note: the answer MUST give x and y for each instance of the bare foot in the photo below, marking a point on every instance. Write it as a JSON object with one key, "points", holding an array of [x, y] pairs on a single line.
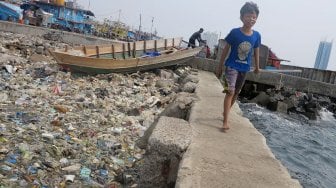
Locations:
{"points": [[225, 128]]}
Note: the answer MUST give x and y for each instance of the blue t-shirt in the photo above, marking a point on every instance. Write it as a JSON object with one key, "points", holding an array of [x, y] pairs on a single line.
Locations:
{"points": [[241, 49]]}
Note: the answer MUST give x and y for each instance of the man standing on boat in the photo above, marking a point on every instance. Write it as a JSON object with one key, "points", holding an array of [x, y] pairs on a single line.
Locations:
{"points": [[194, 37]]}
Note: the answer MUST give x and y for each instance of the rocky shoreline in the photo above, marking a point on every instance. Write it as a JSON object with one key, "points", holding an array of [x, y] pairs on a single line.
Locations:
{"points": [[58, 128], [305, 106]]}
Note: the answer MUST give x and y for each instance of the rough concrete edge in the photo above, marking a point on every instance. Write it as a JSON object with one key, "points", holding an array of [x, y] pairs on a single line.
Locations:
{"points": [[184, 174], [167, 143], [185, 177]]}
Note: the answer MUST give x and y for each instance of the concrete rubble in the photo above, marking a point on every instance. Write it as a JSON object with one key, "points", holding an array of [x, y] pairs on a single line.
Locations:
{"points": [[59, 129], [165, 149]]}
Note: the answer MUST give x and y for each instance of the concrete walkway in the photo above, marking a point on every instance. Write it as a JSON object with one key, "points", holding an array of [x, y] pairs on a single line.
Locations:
{"points": [[238, 158]]}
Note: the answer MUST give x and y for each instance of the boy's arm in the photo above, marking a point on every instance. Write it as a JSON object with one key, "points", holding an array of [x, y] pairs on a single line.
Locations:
{"points": [[222, 59], [256, 60]]}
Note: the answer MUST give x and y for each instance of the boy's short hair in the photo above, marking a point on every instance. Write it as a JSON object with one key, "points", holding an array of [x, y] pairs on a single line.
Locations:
{"points": [[249, 7]]}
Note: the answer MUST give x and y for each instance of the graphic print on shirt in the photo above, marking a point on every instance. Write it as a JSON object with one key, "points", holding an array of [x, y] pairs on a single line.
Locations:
{"points": [[243, 51]]}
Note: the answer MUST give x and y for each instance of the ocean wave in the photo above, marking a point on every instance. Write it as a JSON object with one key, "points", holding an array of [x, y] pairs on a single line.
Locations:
{"points": [[326, 116], [306, 148]]}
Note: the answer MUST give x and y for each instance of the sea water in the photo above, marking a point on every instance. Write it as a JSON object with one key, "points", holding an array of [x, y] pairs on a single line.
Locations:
{"points": [[306, 148]]}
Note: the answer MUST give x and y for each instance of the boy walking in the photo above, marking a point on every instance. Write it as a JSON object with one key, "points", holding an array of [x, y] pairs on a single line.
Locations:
{"points": [[244, 43]]}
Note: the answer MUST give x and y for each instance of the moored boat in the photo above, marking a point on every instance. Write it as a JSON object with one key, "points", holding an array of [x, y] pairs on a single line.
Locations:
{"points": [[124, 57]]}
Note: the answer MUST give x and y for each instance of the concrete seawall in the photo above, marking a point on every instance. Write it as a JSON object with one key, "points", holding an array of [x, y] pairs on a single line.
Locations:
{"points": [[325, 76], [238, 158], [300, 84], [69, 37], [318, 86]]}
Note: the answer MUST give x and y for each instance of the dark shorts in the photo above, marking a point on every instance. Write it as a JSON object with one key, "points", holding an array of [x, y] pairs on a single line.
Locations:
{"points": [[234, 79], [192, 43]]}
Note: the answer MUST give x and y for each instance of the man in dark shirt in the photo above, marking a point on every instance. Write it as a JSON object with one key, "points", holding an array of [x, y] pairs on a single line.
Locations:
{"points": [[194, 37]]}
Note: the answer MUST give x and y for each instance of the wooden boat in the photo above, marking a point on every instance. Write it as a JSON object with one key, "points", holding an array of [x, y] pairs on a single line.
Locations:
{"points": [[124, 57]]}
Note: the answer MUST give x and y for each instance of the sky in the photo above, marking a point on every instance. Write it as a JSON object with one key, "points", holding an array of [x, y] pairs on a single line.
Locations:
{"points": [[293, 29]]}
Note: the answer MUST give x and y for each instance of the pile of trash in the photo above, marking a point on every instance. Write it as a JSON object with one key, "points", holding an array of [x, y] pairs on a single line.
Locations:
{"points": [[59, 129]]}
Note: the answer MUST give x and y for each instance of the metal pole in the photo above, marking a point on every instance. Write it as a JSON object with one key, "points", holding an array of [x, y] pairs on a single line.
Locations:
{"points": [[151, 34], [140, 27], [119, 16]]}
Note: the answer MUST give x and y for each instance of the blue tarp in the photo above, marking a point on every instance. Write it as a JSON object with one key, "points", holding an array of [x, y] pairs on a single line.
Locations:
{"points": [[152, 54]]}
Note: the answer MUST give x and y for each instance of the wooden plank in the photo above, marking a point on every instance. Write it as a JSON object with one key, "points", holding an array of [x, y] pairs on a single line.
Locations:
{"points": [[101, 46], [90, 52], [123, 52], [134, 49], [84, 50], [169, 42], [178, 41], [165, 44], [129, 49], [97, 51], [160, 44], [145, 47], [113, 51], [155, 45], [104, 50], [150, 44], [139, 45], [118, 48]]}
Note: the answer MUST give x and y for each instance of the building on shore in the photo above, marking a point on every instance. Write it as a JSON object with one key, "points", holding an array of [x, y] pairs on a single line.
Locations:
{"points": [[58, 15], [323, 54], [67, 15]]}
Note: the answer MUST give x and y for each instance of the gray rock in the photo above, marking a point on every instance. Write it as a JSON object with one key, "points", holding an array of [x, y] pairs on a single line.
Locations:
{"points": [[189, 87], [40, 50], [164, 83], [3, 50], [278, 106], [165, 74], [262, 99], [190, 78]]}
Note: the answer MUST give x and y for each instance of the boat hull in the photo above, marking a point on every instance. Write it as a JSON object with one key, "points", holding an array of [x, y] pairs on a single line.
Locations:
{"points": [[92, 65], [97, 70]]}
